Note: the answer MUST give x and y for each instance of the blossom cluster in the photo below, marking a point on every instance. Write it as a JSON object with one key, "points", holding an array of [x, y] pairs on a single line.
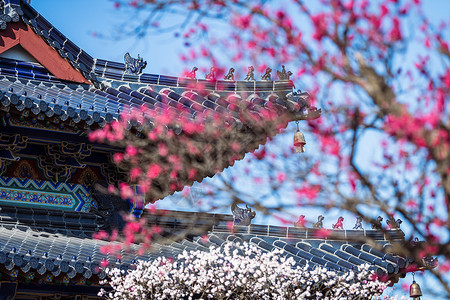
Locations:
{"points": [[238, 271], [168, 149]]}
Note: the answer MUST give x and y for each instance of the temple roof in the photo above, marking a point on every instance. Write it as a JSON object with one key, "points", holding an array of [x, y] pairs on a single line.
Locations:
{"points": [[105, 88], [37, 245], [57, 92], [28, 86]]}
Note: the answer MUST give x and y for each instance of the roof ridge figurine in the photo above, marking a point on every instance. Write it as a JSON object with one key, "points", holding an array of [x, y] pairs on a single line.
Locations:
{"points": [[230, 75], [358, 224], [319, 223], [392, 223], [339, 224], [250, 74], [301, 222], [211, 75], [192, 74], [242, 216], [283, 75], [377, 223], [267, 76], [134, 66]]}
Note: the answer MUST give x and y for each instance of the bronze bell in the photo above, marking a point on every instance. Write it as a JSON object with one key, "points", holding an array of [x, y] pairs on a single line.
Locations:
{"points": [[299, 141], [414, 290]]}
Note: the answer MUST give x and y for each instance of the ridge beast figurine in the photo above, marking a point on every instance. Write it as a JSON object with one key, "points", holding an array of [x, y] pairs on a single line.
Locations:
{"points": [[242, 216], [301, 222], [283, 75], [392, 223], [191, 74], [250, 75], [377, 224], [211, 75], [134, 66], [267, 76], [358, 224], [319, 223], [339, 224], [230, 75]]}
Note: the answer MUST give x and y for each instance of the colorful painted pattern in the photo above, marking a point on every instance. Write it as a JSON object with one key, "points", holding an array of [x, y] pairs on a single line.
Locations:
{"points": [[29, 192], [24, 123]]}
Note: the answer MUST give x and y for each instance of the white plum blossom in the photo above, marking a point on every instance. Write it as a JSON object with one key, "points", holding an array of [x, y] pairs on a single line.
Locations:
{"points": [[238, 271]]}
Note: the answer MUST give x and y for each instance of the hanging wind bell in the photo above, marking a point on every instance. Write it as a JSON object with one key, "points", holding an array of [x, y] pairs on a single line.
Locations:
{"points": [[414, 290], [299, 141]]}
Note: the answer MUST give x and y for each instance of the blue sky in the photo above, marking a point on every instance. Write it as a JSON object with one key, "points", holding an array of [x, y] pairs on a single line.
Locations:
{"points": [[80, 20]]}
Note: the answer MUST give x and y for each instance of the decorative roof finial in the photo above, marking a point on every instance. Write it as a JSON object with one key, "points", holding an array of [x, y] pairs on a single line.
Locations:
{"points": [[377, 224], [319, 223], [230, 75], [392, 223], [191, 74], [267, 76], [358, 224], [301, 222], [430, 262], [242, 216], [283, 74], [415, 241], [339, 224], [134, 65], [250, 74], [211, 75]]}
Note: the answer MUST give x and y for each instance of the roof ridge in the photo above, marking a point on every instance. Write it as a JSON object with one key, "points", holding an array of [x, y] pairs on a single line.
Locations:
{"points": [[108, 69], [310, 233]]}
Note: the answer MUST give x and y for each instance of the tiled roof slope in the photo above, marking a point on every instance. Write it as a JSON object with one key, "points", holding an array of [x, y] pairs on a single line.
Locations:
{"points": [[28, 85], [51, 221], [30, 245]]}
